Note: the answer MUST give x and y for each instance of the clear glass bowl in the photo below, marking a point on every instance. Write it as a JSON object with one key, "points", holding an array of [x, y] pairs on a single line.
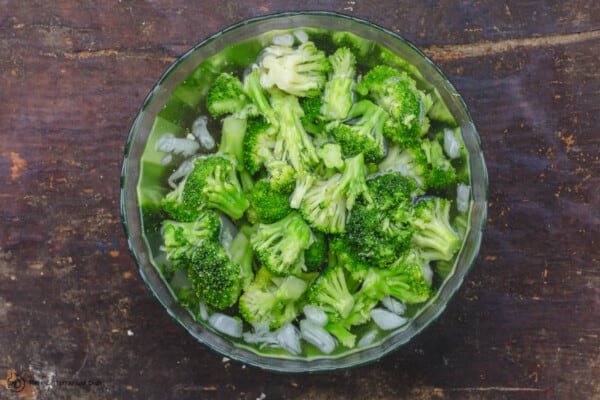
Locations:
{"points": [[143, 181]]}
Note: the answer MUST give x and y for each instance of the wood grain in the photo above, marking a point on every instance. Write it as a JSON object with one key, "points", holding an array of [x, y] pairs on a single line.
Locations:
{"points": [[76, 315]]}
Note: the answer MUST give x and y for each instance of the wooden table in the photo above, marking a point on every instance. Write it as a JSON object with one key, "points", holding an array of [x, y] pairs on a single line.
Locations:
{"points": [[76, 320]]}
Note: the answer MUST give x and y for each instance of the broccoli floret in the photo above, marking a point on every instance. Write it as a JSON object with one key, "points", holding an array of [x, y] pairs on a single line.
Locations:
{"points": [[441, 172], [281, 176], [341, 333], [300, 71], [326, 202], [361, 47], [256, 93], [354, 273], [304, 182], [341, 254], [240, 252], [214, 277], [434, 237], [267, 205], [265, 146], [226, 96], [338, 95], [399, 133], [396, 93], [273, 299], [410, 162], [312, 120], [216, 271], [362, 132], [330, 292], [293, 144], [316, 255], [233, 133], [377, 233], [391, 190], [378, 237], [213, 183], [280, 246], [331, 155], [181, 238], [361, 312], [405, 281], [258, 144], [174, 207]]}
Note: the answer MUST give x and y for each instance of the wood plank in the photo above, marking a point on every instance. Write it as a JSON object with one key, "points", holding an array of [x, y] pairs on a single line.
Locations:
{"points": [[75, 312]]}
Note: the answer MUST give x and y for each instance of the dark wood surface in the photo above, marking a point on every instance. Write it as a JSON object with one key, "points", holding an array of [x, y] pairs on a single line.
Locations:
{"points": [[76, 320]]}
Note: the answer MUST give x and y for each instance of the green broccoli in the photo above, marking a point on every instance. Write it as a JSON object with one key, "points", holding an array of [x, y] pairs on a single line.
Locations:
{"points": [[378, 237], [410, 162], [362, 132], [173, 206], [233, 131], [315, 256], [379, 232], [312, 120], [404, 281], [213, 183], [359, 46], [326, 202], [267, 205], [258, 144], [338, 95], [280, 246], [240, 252], [304, 182], [396, 93], [263, 146], [226, 96], [331, 155], [300, 71], [391, 190], [272, 299], [329, 194], [330, 292], [341, 254], [259, 98], [214, 277], [181, 238], [341, 333], [441, 173], [439, 110], [293, 144], [281, 176], [216, 271], [434, 238]]}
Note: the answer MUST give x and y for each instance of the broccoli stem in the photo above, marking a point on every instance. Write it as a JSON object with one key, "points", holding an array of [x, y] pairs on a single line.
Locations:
{"points": [[332, 294], [293, 143], [342, 334], [255, 91], [232, 138], [438, 240], [240, 252], [225, 196]]}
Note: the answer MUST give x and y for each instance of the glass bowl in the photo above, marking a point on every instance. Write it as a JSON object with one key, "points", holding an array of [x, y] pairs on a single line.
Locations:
{"points": [[170, 106]]}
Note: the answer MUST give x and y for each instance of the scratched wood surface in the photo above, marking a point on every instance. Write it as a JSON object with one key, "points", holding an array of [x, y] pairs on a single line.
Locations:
{"points": [[76, 321]]}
